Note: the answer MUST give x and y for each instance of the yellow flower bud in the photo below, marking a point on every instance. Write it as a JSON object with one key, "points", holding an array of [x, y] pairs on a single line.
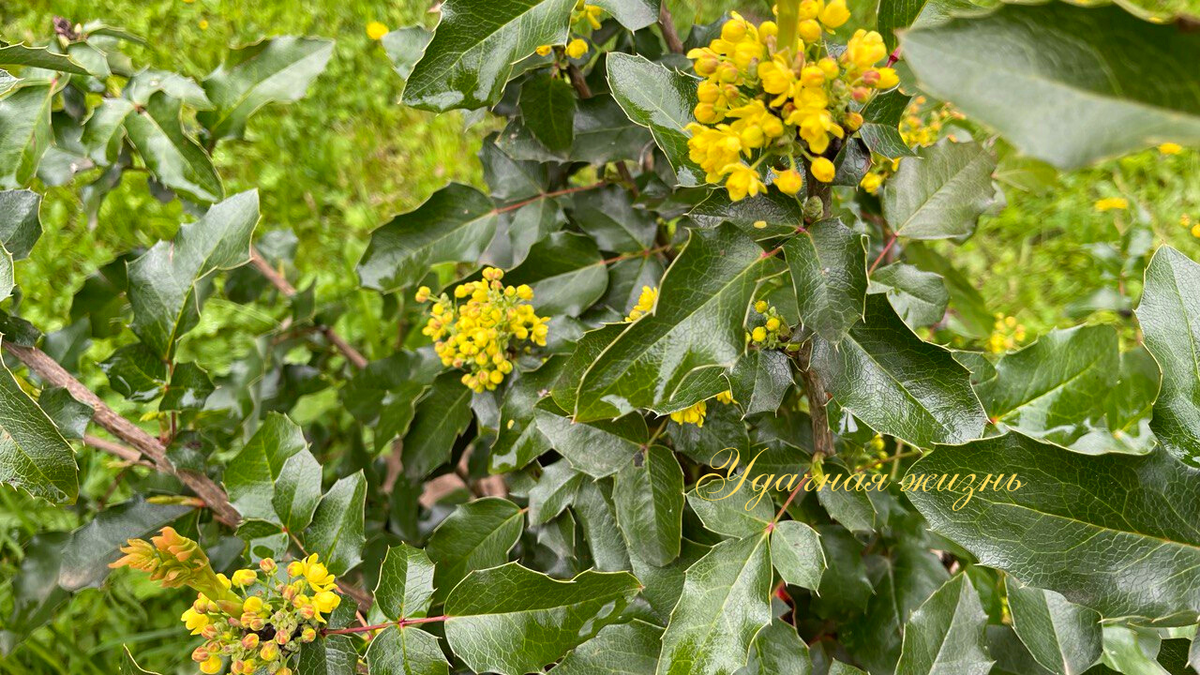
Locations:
{"points": [[810, 30], [253, 604], [244, 577], [761, 306], [212, 665], [772, 324], [758, 334], [376, 30], [733, 30], [423, 294], [577, 48], [887, 78], [853, 121], [823, 170], [789, 182], [835, 14], [544, 50]]}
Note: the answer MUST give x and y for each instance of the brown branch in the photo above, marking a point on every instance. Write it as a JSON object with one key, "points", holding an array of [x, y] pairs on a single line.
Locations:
{"points": [[46, 368], [117, 450], [814, 390], [667, 25], [577, 81]]}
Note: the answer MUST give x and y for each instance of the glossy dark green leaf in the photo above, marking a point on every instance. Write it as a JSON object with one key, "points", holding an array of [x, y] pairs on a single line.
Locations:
{"points": [[86, 556], [34, 456], [845, 584], [39, 57], [136, 372], [1170, 317], [441, 417], [610, 216], [455, 224], [548, 109], [768, 215], [760, 380], [336, 532], [405, 585], [633, 14], [188, 389], [724, 604], [648, 495], [598, 448], [175, 159], [663, 585], [275, 70], [828, 262], [470, 57], [797, 554], [259, 481], [494, 612], [20, 221], [146, 82], [1047, 62], [942, 192], [839, 668], [1078, 525], [475, 536], [162, 281], [920, 298], [331, 655], [849, 506], [725, 509], [627, 278], [1062, 637], [602, 134], [554, 491], [70, 416], [397, 413], [618, 649], [519, 441], [1012, 656], [947, 634], [593, 504], [404, 47], [674, 357], [899, 384], [406, 651], [778, 649], [881, 119], [661, 100], [566, 273], [24, 133]]}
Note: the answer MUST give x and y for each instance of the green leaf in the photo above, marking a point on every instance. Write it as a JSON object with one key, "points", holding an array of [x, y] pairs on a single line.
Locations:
{"points": [[566, 273], [663, 585], [725, 603], [102, 134], [896, 15], [920, 298], [947, 634], [881, 122], [39, 57], [1028, 71], [899, 384], [594, 505], [146, 82], [648, 495], [941, 193], [70, 416], [406, 651], [851, 507], [1056, 388], [188, 390], [599, 448], [797, 554], [24, 133], [130, 667], [176, 160], [136, 372], [633, 14], [726, 510], [548, 109], [455, 224], [1170, 317], [336, 532], [519, 441], [441, 417], [778, 649], [839, 668], [661, 100], [777, 213], [20, 221], [1012, 657], [494, 612], [7, 82], [404, 47], [331, 655], [610, 216], [34, 456], [405, 585], [555, 491], [85, 558], [618, 649], [275, 70], [674, 357], [760, 380], [828, 262], [470, 57], [475, 536], [602, 134], [1078, 525], [275, 477], [162, 282], [1062, 637]]}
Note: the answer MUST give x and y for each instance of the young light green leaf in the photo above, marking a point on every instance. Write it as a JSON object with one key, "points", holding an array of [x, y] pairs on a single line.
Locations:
{"points": [[34, 456], [1063, 637], [548, 110], [899, 384], [260, 482], [475, 536], [406, 651], [20, 221], [336, 532], [797, 554], [725, 603], [39, 57], [405, 585], [470, 57], [1170, 318], [494, 612], [942, 193], [648, 495], [24, 133], [176, 160], [1066, 84], [919, 297], [441, 417], [618, 649], [661, 100], [828, 262], [1077, 524], [675, 357], [275, 70], [162, 282], [947, 634], [455, 224]]}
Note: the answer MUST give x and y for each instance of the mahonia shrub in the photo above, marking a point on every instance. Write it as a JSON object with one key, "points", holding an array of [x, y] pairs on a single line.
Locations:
{"points": [[689, 384]]}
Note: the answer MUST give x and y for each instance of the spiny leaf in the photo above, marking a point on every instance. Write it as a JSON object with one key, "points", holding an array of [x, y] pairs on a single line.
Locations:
{"points": [[34, 456], [947, 634], [24, 133], [405, 585], [828, 262], [648, 494], [941, 193], [174, 158], [336, 532], [475, 536], [1061, 636], [661, 100]]}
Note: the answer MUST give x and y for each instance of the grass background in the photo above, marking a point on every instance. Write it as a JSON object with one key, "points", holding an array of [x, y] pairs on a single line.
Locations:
{"points": [[340, 163]]}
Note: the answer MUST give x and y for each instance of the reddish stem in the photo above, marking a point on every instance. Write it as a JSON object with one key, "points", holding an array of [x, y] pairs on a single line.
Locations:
{"points": [[893, 58], [891, 242], [788, 503], [380, 626], [548, 195]]}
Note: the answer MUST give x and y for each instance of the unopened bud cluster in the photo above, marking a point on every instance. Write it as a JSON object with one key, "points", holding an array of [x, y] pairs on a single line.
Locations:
{"points": [[582, 17], [770, 330]]}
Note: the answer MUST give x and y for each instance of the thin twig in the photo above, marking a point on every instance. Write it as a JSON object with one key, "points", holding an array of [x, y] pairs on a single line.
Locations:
{"points": [[667, 25], [117, 450], [549, 195], [380, 626], [890, 243]]}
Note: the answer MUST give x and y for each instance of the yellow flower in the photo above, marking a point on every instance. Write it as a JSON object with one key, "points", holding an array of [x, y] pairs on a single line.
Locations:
{"points": [[1196, 230], [810, 30], [317, 575], [194, 621], [726, 397], [325, 602], [823, 170], [1110, 203], [544, 50], [1170, 148], [376, 30], [203, 23], [743, 181], [789, 182], [887, 78], [645, 303], [692, 415], [253, 604], [864, 49], [244, 577], [577, 48], [871, 182], [211, 665], [835, 14]]}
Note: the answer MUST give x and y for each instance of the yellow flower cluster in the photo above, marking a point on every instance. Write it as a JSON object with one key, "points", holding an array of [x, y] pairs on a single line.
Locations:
{"points": [[583, 13], [695, 414], [765, 103], [645, 304], [774, 330], [1007, 334], [1111, 204], [478, 333]]}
